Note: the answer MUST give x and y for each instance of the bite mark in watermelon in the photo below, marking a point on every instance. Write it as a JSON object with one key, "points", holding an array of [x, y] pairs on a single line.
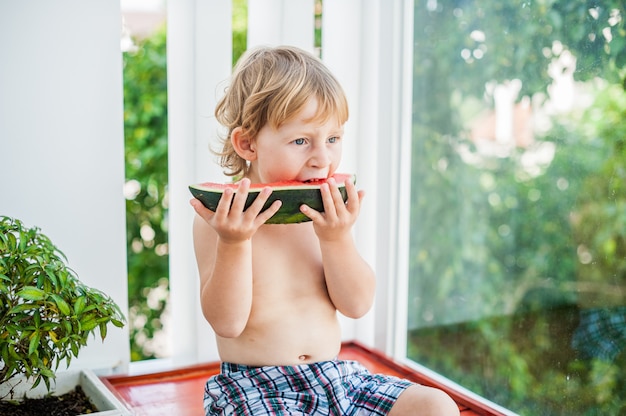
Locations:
{"points": [[292, 194]]}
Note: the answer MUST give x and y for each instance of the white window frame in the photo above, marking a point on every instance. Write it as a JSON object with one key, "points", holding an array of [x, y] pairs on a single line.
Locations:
{"points": [[380, 38]]}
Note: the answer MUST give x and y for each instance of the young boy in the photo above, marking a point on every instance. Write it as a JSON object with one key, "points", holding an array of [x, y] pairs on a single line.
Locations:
{"points": [[272, 292]]}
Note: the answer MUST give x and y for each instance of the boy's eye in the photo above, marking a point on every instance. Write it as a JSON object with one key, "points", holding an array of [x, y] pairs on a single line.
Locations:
{"points": [[333, 139], [299, 141]]}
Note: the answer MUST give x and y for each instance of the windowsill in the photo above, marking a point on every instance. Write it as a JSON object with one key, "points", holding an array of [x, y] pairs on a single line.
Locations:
{"points": [[180, 391], [157, 365]]}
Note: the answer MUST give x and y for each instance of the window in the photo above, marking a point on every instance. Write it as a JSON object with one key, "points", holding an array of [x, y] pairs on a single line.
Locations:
{"points": [[517, 259]]}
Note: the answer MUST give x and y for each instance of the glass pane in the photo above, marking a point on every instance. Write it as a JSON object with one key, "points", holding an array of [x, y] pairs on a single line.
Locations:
{"points": [[518, 201], [146, 166]]}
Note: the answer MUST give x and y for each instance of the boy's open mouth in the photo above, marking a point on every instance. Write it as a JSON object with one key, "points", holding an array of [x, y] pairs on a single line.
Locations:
{"points": [[315, 180]]}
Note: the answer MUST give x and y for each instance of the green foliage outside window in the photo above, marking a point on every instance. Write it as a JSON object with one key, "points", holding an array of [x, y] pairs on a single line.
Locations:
{"points": [[240, 28], [145, 131], [505, 260]]}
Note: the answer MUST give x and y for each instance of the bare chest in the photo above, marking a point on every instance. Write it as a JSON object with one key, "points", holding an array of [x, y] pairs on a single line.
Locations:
{"points": [[287, 255]]}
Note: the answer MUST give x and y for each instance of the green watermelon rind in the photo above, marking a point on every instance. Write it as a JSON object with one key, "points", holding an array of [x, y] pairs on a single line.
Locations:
{"points": [[292, 198]]}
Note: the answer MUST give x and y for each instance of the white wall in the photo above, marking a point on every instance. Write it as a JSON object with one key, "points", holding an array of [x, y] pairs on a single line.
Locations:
{"points": [[61, 142]]}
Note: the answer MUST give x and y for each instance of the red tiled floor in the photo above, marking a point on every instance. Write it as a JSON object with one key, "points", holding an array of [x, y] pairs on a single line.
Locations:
{"points": [[179, 392]]}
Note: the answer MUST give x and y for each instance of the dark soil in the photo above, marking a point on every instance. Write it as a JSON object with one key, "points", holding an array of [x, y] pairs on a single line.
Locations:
{"points": [[71, 404]]}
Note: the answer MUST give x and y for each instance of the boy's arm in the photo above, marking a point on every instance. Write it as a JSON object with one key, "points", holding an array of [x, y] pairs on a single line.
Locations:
{"points": [[223, 247], [225, 280], [351, 282]]}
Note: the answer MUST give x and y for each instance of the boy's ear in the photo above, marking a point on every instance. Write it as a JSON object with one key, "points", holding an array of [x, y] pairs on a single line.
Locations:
{"points": [[242, 144]]}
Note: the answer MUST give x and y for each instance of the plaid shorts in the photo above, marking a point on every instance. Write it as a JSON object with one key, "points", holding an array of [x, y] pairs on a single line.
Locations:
{"points": [[336, 388]]}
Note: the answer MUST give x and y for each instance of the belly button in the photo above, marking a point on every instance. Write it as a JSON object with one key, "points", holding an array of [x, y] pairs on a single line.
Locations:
{"points": [[303, 357]]}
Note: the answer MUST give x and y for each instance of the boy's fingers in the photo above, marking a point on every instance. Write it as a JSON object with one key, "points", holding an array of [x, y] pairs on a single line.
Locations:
{"points": [[310, 212], [200, 209], [336, 193], [259, 201], [223, 206], [327, 199], [351, 190], [268, 213], [239, 201], [354, 197]]}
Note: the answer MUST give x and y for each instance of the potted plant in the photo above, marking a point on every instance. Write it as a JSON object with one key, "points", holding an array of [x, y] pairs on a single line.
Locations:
{"points": [[46, 314]]}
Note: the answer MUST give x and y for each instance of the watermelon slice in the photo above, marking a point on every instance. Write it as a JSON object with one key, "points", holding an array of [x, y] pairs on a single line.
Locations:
{"points": [[292, 194]]}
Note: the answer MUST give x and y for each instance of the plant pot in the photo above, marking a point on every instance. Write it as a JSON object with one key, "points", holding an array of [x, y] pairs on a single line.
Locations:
{"points": [[102, 398]]}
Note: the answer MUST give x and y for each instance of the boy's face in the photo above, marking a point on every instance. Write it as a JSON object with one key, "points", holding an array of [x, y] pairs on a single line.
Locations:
{"points": [[299, 150]]}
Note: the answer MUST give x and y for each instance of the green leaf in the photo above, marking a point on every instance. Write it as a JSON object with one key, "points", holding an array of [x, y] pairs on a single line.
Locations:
{"points": [[22, 308], [64, 308], [117, 323], [47, 373], [23, 240], [75, 349], [103, 330], [67, 326], [34, 343], [15, 356], [88, 324], [38, 380], [31, 293], [11, 242], [37, 318], [79, 305]]}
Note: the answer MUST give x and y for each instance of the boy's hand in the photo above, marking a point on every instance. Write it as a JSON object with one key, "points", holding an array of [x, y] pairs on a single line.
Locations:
{"points": [[338, 217], [229, 220]]}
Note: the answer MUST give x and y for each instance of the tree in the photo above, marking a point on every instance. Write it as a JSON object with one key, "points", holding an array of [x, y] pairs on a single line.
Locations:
{"points": [[145, 131]]}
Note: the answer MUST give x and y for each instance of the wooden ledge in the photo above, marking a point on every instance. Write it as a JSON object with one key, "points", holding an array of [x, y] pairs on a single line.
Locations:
{"points": [[180, 391]]}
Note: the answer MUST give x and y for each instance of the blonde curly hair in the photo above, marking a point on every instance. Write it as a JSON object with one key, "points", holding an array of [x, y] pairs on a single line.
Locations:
{"points": [[271, 85]]}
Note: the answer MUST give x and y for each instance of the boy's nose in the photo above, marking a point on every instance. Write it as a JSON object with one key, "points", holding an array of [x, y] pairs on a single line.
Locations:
{"points": [[320, 158]]}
